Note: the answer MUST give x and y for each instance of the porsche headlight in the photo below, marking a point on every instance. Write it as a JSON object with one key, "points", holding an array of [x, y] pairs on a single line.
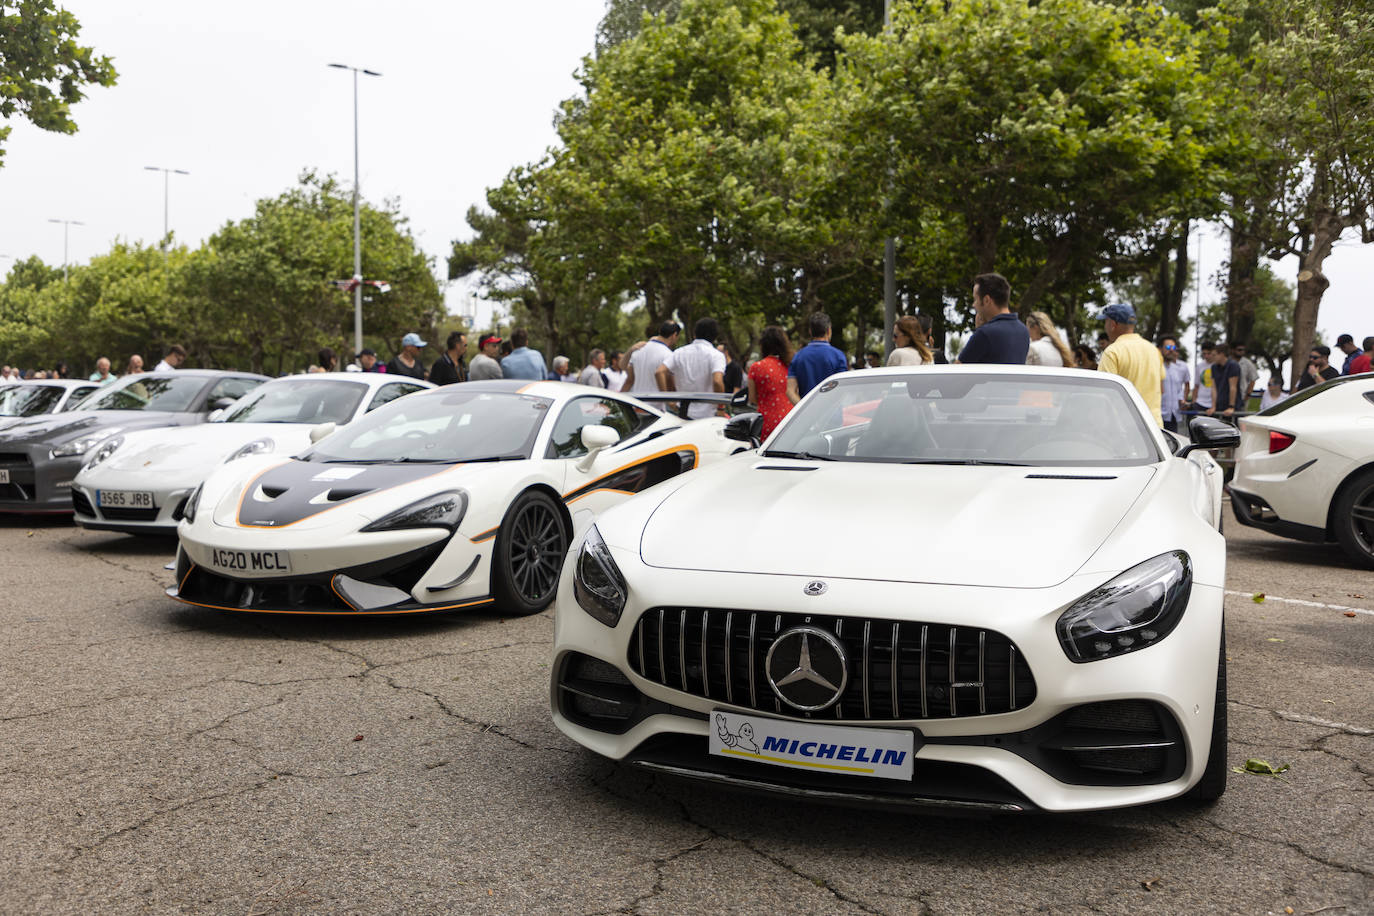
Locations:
{"points": [[1133, 611], [442, 510], [188, 511], [599, 587], [104, 450], [256, 447], [82, 445]]}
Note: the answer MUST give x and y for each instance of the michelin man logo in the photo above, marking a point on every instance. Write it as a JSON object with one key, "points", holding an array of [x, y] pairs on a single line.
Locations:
{"points": [[744, 740]]}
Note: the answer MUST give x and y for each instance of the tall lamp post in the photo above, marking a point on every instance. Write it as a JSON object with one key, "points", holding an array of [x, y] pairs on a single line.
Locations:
{"points": [[357, 235], [889, 256], [66, 226], [166, 176]]}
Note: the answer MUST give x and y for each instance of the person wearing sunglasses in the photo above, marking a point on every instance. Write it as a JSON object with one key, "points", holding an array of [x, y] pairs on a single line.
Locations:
{"points": [[1174, 399]]}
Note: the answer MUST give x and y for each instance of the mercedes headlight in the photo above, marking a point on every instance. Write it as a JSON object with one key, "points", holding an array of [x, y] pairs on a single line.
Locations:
{"points": [[256, 447], [104, 450], [82, 445], [442, 510], [1133, 611], [188, 510], [599, 587]]}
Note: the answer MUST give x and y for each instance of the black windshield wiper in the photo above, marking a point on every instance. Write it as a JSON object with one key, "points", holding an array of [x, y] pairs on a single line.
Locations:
{"points": [[969, 461], [803, 456], [490, 458]]}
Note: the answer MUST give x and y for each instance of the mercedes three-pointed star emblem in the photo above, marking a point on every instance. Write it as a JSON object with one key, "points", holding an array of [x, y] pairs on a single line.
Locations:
{"points": [[807, 668]]}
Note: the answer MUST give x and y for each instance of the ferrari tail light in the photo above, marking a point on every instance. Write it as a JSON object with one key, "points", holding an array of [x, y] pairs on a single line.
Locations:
{"points": [[1279, 441]]}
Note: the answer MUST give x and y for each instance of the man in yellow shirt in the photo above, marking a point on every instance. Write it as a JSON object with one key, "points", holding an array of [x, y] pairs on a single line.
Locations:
{"points": [[1133, 357]]}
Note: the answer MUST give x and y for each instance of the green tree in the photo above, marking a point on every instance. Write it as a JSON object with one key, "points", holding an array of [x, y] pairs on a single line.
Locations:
{"points": [[42, 68], [259, 292], [1053, 133]]}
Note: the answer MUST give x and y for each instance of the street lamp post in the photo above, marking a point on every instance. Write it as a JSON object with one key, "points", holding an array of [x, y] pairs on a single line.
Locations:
{"points": [[357, 234], [166, 175], [66, 225], [889, 255]]}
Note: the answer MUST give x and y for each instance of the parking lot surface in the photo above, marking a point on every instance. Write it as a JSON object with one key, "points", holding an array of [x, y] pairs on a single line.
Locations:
{"points": [[159, 758]]}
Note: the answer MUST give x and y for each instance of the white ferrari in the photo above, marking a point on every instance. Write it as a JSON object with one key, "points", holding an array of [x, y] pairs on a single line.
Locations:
{"points": [[137, 482], [458, 497], [981, 587], [1305, 467]]}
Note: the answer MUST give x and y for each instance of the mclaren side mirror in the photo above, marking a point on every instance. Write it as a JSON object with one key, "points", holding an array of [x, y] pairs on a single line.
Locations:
{"points": [[1209, 433], [319, 432], [596, 439], [745, 427]]}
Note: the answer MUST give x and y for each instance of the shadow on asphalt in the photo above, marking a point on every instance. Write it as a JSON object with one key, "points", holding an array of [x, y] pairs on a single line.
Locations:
{"points": [[31, 522], [334, 627], [1272, 549]]}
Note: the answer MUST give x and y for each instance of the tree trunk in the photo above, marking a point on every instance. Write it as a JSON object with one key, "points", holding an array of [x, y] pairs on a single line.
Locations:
{"points": [[1242, 293], [1053, 269], [1173, 303], [548, 310], [983, 237], [1312, 284]]}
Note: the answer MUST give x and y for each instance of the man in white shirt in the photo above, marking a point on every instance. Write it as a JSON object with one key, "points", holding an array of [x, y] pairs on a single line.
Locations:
{"points": [[1202, 382], [1174, 398], [699, 366], [173, 360], [644, 362], [615, 370]]}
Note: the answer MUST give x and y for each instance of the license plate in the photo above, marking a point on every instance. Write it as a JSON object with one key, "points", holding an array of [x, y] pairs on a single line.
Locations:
{"points": [[124, 499], [886, 753], [251, 561], [4, 475]]}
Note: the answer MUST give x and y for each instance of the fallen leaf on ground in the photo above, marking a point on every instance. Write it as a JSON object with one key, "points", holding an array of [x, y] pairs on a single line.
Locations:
{"points": [[357, 737], [1275, 639], [1257, 597], [1353, 595], [1148, 885], [1261, 767], [1351, 614]]}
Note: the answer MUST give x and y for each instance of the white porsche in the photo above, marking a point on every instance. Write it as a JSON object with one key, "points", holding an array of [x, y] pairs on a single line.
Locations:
{"points": [[137, 482], [1305, 467], [981, 587], [457, 497]]}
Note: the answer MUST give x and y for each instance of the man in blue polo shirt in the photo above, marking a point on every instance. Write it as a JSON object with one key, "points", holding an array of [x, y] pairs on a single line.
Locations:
{"points": [[1000, 337], [816, 361]]}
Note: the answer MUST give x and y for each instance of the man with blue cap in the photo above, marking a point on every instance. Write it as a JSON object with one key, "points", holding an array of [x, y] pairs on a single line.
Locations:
{"points": [[407, 362], [1132, 357]]}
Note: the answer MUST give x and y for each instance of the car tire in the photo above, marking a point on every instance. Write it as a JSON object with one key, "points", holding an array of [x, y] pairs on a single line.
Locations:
{"points": [[1213, 782], [1353, 518], [530, 547]]}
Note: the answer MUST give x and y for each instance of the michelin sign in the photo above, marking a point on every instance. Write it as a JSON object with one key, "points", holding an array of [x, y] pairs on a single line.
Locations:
{"points": [[881, 752]]}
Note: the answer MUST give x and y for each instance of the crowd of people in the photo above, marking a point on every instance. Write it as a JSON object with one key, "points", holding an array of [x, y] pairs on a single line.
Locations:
{"points": [[1222, 382]]}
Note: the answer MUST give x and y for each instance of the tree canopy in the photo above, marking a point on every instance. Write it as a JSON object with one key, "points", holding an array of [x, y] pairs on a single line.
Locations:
{"points": [[42, 67]]}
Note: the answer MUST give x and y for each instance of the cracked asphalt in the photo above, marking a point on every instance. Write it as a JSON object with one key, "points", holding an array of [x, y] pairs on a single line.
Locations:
{"points": [[158, 758]]}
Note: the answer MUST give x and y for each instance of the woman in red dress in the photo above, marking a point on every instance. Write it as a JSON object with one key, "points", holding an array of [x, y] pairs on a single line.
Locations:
{"points": [[768, 378]]}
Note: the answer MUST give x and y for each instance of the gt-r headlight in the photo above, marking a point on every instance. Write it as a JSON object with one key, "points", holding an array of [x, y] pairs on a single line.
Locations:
{"points": [[442, 510], [1133, 611], [599, 587], [104, 450], [188, 511], [256, 447], [82, 445]]}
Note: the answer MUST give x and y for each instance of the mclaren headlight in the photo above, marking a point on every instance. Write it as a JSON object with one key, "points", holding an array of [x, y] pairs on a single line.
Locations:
{"points": [[82, 445], [597, 583], [1133, 611], [442, 510], [104, 450], [256, 447], [188, 511]]}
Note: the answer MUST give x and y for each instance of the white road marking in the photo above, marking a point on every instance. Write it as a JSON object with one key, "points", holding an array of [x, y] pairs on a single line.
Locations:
{"points": [[1332, 607]]}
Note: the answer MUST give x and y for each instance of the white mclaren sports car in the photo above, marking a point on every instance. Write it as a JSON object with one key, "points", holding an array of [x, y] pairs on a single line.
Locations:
{"points": [[137, 482], [457, 497], [981, 587], [1305, 467]]}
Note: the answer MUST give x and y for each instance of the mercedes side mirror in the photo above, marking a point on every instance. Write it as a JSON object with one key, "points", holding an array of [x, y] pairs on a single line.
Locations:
{"points": [[222, 403], [215, 415], [1209, 433], [319, 432], [596, 439]]}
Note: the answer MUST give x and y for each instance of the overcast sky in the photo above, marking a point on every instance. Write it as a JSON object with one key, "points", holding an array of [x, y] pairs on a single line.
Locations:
{"points": [[240, 96]]}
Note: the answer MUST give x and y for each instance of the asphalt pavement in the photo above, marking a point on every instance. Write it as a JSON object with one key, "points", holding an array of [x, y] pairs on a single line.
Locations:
{"points": [[159, 758]]}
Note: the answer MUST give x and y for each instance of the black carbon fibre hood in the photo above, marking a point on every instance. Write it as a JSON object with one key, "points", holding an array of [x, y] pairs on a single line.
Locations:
{"points": [[295, 490]]}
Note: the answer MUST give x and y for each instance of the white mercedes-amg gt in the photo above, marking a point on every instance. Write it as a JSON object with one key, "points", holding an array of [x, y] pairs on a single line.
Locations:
{"points": [[984, 587], [456, 497]]}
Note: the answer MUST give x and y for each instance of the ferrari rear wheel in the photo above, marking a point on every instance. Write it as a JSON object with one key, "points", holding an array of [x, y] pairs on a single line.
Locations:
{"points": [[1353, 517], [1213, 782], [529, 554]]}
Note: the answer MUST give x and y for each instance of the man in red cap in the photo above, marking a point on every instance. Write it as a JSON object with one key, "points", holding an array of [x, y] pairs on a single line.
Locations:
{"points": [[484, 365]]}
